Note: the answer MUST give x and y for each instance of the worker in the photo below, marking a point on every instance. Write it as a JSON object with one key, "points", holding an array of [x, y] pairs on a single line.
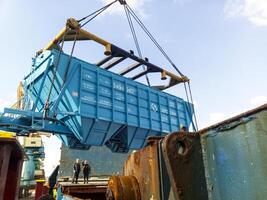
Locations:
{"points": [[86, 171], [76, 171], [183, 129]]}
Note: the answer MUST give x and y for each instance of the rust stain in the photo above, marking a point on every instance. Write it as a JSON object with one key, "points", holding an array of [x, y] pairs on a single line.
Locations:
{"points": [[168, 168]]}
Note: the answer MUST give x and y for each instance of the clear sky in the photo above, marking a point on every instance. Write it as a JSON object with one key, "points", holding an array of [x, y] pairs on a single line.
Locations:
{"points": [[220, 45]]}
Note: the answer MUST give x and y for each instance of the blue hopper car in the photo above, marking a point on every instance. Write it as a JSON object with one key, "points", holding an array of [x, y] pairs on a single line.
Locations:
{"points": [[89, 105], [99, 106]]}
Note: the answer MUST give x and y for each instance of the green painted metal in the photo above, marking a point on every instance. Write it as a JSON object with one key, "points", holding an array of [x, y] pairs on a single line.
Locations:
{"points": [[235, 157]]}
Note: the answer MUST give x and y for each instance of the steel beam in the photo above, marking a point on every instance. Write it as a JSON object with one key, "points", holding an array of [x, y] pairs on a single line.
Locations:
{"points": [[72, 32], [108, 58], [130, 68], [115, 62]]}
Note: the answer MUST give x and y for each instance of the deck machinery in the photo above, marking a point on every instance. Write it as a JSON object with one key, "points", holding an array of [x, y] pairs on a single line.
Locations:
{"points": [[87, 104]]}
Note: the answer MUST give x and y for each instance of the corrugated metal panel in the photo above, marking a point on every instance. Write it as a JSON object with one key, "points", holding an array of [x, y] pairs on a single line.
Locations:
{"points": [[101, 160], [235, 157], [101, 105]]}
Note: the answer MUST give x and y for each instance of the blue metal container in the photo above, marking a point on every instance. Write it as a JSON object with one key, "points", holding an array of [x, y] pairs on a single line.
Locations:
{"points": [[235, 157], [101, 107]]}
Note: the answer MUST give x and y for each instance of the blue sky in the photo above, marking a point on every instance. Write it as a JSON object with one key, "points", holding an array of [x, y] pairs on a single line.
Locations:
{"points": [[220, 45]]}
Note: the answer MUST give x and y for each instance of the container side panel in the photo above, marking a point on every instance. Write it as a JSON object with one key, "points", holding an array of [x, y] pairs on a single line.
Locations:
{"points": [[236, 159]]}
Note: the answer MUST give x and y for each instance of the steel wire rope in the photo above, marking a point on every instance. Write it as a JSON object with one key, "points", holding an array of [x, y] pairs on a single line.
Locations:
{"points": [[135, 39], [193, 107], [96, 13], [70, 58], [153, 39], [30, 95], [168, 58], [46, 107], [188, 106], [129, 12], [69, 61], [99, 11]]}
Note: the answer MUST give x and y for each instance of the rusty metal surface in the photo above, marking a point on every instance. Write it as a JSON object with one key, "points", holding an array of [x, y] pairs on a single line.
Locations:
{"points": [[94, 190], [183, 159], [123, 187], [224, 161], [143, 164], [169, 168], [11, 160], [235, 156]]}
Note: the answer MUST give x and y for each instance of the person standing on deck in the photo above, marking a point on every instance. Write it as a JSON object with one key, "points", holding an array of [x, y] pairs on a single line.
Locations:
{"points": [[76, 171], [86, 170]]}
